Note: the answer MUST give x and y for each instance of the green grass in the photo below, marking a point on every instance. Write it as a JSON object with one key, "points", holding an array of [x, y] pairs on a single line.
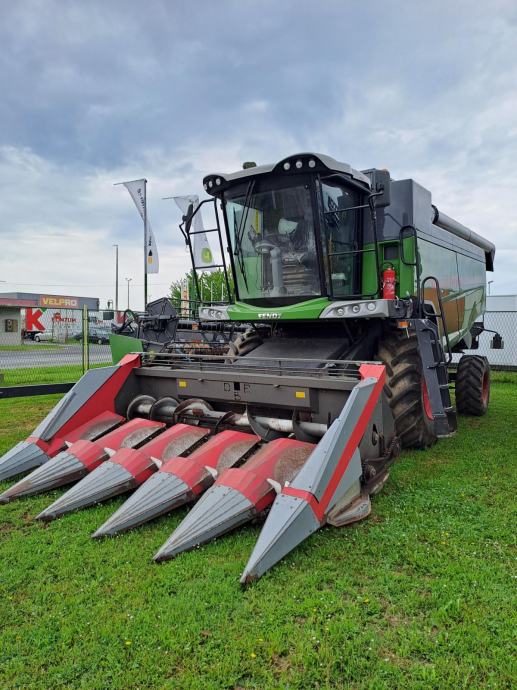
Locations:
{"points": [[420, 595], [65, 373], [28, 346]]}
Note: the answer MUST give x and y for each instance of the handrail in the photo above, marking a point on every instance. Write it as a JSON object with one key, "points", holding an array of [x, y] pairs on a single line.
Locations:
{"points": [[439, 315], [185, 227], [415, 264]]}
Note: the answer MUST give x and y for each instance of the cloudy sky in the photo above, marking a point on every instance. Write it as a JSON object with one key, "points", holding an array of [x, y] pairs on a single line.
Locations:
{"points": [[98, 92]]}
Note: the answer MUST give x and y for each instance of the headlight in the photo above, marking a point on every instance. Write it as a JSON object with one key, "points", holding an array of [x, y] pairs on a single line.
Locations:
{"points": [[353, 310], [214, 313]]}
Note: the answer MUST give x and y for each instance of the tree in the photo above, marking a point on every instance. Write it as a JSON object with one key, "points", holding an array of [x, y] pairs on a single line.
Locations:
{"points": [[212, 287]]}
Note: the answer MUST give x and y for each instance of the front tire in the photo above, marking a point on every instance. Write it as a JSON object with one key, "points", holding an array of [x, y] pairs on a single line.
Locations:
{"points": [[406, 391], [473, 385], [244, 343]]}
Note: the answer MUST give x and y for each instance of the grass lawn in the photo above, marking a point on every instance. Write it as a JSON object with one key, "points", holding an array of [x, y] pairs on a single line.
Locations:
{"points": [[67, 373], [27, 346], [420, 595]]}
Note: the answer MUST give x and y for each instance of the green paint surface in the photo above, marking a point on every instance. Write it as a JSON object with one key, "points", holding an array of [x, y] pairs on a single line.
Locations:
{"points": [[307, 310], [122, 345]]}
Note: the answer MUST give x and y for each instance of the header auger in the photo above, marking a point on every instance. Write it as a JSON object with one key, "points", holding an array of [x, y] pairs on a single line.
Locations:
{"points": [[356, 291]]}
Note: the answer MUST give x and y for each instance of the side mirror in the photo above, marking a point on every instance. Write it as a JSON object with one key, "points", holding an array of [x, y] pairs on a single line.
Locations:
{"points": [[381, 187]]}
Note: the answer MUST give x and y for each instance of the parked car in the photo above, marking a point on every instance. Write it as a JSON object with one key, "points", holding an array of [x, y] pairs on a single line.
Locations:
{"points": [[101, 336], [43, 336]]}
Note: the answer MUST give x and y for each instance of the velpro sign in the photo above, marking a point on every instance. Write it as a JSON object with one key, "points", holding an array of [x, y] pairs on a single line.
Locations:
{"points": [[49, 301]]}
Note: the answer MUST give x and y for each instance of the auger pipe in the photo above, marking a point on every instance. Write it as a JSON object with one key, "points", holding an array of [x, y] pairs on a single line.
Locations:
{"points": [[284, 426], [442, 220]]}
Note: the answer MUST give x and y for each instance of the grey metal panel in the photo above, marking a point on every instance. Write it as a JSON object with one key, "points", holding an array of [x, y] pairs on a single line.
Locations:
{"points": [[324, 382], [321, 464], [160, 494], [348, 481], [410, 205], [218, 511], [73, 401], [63, 469], [289, 522], [23, 457], [442, 238], [108, 480]]}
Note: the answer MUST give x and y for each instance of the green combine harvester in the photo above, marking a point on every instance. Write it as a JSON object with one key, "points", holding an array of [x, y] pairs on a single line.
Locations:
{"points": [[357, 291]]}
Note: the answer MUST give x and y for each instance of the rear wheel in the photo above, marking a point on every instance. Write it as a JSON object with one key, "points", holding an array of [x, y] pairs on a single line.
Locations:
{"points": [[406, 390], [473, 385]]}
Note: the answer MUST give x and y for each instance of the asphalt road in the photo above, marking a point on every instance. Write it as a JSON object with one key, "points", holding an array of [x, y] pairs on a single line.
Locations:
{"points": [[38, 356]]}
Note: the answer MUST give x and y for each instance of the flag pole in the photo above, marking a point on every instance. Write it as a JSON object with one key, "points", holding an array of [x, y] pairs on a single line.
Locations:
{"points": [[145, 244]]}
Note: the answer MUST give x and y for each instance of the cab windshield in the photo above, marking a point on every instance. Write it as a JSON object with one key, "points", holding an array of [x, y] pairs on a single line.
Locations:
{"points": [[273, 241]]}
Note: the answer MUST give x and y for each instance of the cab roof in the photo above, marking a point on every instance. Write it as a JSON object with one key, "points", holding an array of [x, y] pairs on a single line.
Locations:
{"points": [[297, 163]]}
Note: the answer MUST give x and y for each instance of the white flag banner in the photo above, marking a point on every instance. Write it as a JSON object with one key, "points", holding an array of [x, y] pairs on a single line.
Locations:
{"points": [[137, 190], [203, 255], [152, 261]]}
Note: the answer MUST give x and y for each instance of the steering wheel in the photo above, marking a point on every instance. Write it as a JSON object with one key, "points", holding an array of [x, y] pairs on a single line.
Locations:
{"points": [[264, 246]]}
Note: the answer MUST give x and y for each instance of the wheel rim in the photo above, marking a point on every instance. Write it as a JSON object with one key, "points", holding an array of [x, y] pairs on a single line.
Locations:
{"points": [[426, 403], [485, 391]]}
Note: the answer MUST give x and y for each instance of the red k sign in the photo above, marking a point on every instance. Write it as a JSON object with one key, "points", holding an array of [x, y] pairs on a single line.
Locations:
{"points": [[32, 322]]}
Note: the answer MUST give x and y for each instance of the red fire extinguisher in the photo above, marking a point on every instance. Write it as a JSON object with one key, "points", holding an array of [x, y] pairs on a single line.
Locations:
{"points": [[389, 280]]}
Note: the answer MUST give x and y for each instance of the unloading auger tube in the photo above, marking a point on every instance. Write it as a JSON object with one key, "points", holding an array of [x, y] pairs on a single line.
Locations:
{"points": [[179, 432]]}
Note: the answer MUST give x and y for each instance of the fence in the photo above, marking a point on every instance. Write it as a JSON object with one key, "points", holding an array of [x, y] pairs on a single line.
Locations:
{"points": [[58, 353], [53, 349], [504, 323]]}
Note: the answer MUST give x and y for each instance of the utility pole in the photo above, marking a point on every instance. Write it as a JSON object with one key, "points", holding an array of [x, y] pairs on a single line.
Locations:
{"points": [[116, 276], [128, 281], [145, 244]]}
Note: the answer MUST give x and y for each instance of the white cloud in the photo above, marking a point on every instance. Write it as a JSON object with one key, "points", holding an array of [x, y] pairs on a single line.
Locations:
{"points": [[101, 93]]}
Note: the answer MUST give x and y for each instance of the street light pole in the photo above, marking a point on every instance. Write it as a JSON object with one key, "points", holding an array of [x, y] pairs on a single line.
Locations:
{"points": [[145, 244], [128, 281], [489, 284], [116, 276]]}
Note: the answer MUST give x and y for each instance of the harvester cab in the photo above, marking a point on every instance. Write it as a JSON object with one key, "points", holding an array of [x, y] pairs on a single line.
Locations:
{"points": [[356, 291]]}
